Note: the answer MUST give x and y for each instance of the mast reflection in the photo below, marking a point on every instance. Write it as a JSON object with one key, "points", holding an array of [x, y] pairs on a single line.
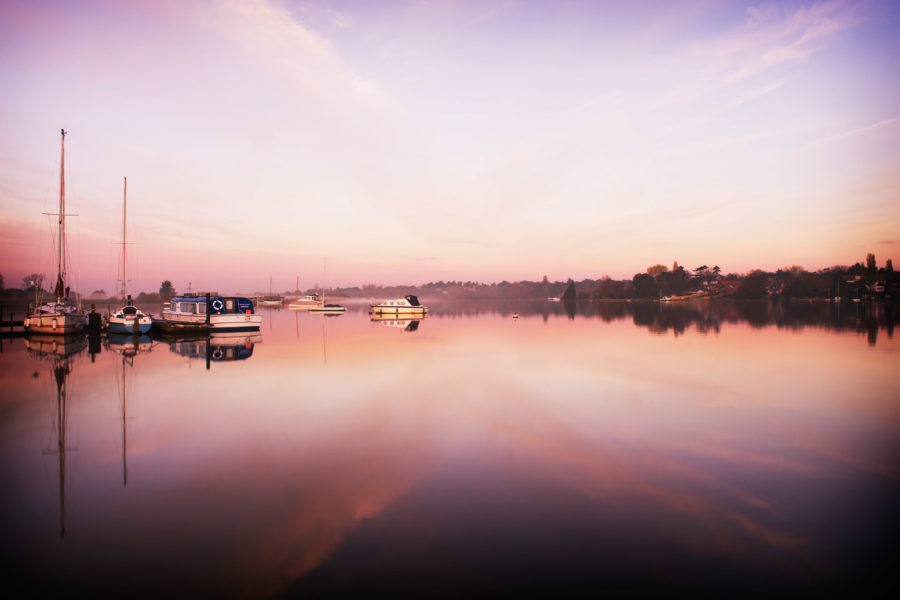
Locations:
{"points": [[128, 346], [58, 352]]}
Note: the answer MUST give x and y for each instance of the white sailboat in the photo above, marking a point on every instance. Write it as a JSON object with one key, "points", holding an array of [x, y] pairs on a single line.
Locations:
{"points": [[323, 307], [303, 302], [271, 299], [129, 318], [61, 315]]}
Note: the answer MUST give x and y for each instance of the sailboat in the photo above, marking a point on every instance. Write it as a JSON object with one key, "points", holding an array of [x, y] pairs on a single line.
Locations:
{"points": [[303, 302], [322, 307], [271, 299], [129, 318], [60, 316]]}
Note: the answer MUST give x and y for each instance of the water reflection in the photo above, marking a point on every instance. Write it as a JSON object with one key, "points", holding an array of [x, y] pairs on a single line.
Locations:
{"points": [[704, 316], [408, 324], [128, 347], [218, 347], [547, 454], [58, 353]]}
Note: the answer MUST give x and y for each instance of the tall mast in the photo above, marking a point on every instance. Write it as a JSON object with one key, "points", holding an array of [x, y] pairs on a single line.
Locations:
{"points": [[124, 212], [61, 269]]}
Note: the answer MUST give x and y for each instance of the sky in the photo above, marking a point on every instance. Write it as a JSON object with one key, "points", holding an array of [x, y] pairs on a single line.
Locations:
{"points": [[405, 142]]}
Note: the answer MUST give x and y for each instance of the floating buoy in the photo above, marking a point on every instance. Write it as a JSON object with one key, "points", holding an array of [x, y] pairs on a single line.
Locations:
{"points": [[515, 316]]}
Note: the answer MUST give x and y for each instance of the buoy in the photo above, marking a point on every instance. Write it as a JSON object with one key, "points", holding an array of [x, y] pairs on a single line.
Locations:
{"points": [[515, 316]]}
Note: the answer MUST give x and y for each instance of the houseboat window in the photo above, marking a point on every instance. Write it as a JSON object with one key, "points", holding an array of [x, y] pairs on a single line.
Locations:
{"points": [[174, 307], [201, 308], [229, 305], [189, 307]]}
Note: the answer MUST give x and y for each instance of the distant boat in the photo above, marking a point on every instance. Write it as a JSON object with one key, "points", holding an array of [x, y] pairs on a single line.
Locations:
{"points": [[129, 318], [271, 299], [209, 313], [328, 309], [408, 305], [305, 302], [322, 307], [60, 316]]}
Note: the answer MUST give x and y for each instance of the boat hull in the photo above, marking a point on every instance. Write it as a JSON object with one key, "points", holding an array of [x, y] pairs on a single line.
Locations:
{"points": [[127, 325], [302, 305], [228, 322], [400, 310], [56, 324]]}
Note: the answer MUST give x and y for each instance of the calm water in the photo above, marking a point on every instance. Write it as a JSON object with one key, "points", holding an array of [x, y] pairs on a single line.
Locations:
{"points": [[713, 448]]}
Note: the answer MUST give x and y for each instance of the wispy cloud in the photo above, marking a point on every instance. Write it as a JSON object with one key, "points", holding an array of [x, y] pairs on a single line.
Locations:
{"points": [[773, 36], [756, 93], [887, 123]]}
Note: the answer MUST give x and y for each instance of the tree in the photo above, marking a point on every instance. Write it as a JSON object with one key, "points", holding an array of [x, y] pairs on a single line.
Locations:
{"points": [[166, 289], [1, 283], [644, 285], [870, 266], [754, 285], [31, 281], [702, 273], [656, 270], [569, 295], [888, 266]]}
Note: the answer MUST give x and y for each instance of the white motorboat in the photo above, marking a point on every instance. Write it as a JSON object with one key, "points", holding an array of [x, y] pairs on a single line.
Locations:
{"points": [[408, 305]]}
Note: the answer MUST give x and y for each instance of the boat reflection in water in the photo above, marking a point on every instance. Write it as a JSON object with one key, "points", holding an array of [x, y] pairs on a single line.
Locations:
{"points": [[220, 347], [128, 345], [50, 347], [407, 323], [58, 352]]}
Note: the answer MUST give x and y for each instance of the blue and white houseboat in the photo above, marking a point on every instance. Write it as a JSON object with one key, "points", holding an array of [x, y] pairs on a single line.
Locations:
{"points": [[194, 312]]}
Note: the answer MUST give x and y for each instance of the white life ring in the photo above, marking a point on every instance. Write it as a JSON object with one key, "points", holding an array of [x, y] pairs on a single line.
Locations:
{"points": [[217, 304], [218, 354]]}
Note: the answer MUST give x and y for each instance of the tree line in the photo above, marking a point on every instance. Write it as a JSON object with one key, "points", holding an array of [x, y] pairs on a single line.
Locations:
{"points": [[863, 279]]}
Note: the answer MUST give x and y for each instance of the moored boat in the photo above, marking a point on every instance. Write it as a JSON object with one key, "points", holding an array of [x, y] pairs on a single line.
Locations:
{"points": [[271, 299], [328, 309], [129, 318], [60, 316], [408, 305], [304, 303], [209, 313]]}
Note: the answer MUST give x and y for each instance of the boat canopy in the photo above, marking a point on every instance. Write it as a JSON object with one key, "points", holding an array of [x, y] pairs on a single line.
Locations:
{"points": [[218, 304], [412, 300]]}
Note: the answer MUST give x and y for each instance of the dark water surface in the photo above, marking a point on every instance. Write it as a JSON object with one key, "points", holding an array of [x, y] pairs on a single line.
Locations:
{"points": [[710, 448]]}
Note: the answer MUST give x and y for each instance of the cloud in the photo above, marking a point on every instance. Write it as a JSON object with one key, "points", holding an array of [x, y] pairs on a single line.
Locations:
{"points": [[873, 127], [772, 37], [756, 93]]}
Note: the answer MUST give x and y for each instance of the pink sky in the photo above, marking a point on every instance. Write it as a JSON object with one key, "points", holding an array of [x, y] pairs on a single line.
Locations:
{"points": [[410, 142]]}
